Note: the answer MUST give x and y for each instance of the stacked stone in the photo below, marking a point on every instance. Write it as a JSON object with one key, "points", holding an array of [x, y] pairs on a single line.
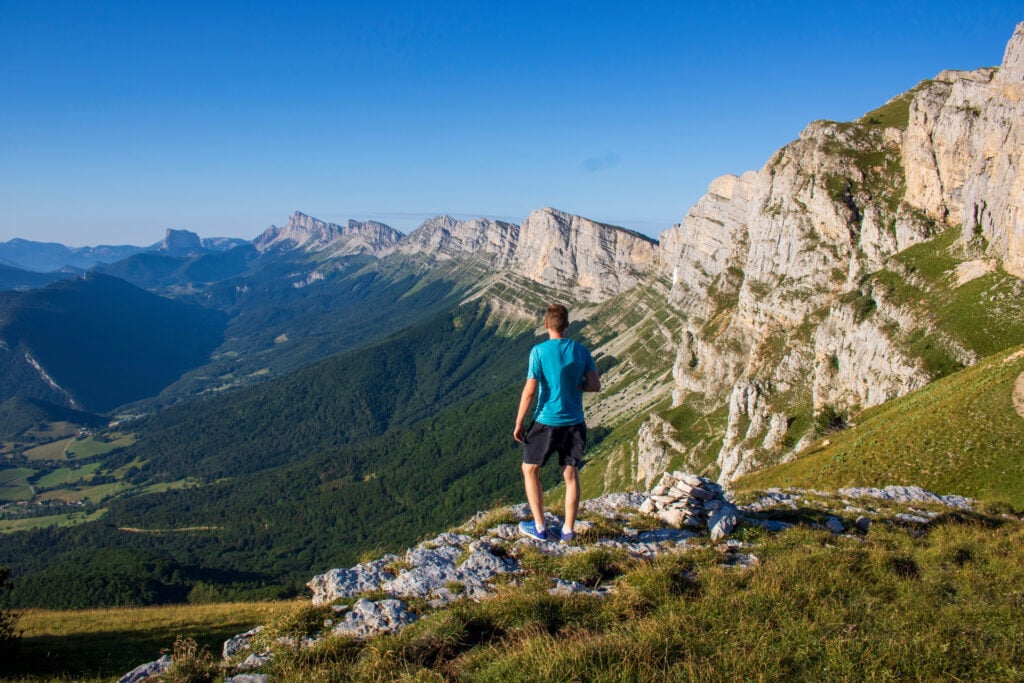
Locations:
{"points": [[683, 499]]}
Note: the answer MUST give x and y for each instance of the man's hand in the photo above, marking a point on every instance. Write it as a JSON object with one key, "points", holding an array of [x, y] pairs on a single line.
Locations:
{"points": [[519, 434]]}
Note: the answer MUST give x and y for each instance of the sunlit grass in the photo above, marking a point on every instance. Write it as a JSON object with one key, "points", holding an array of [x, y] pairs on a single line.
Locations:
{"points": [[103, 644]]}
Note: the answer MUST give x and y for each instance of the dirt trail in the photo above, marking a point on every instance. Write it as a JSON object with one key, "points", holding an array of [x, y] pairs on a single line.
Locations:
{"points": [[1018, 395]]}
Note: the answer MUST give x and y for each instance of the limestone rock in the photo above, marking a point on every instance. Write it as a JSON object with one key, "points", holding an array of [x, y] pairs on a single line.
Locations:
{"points": [[347, 583], [445, 238], [592, 260], [907, 494], [145, 671], [691, 501], [248, 678], [308, 234], [368, 618], [239, 643], [722, 521]]}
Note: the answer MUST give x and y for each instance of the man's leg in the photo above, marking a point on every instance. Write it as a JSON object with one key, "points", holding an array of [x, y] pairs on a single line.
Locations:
{"points": [[572, 495], [534, 492]]}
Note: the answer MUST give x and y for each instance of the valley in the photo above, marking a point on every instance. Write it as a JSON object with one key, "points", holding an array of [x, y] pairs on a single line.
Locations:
{"points": [[850, 314]]}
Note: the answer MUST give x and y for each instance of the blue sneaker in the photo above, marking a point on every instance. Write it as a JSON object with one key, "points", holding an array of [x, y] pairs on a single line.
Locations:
{"points": [[530, 529], [568, 537]]}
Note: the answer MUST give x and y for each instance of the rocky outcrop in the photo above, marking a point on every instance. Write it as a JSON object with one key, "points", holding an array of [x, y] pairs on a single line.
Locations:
{"points": [[482, 551], [308, 234], [181, 243], [445, 238], [964, 153], [768, 266], [591, 260]]}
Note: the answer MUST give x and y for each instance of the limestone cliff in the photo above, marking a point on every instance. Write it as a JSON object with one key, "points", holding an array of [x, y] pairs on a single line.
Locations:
{"points": [[445, 238], [579, 258], [308, 234], [771, 269], [592, 260], [964, 153]]}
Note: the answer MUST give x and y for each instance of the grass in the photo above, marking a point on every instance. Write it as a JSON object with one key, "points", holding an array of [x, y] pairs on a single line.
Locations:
{"points": [[104, 644], [68, 475], [49, 451], [67, 519], [959, 434], [985, 314], [87, 448], [941, 603]]}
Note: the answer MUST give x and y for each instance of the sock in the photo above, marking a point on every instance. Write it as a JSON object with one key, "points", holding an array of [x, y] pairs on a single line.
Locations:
{"points": [[566, 530], [539, 527]]}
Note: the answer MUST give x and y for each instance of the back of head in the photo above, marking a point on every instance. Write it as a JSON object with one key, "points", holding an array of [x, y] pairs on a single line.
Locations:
{"points": [[557, 318]]}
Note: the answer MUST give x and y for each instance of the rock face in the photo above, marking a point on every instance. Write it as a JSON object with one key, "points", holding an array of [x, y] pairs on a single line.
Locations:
{"points": [[308, 234], [444, 238], [767, 267], [181, 243], [592, 260], [583, 259], [964, 153]]}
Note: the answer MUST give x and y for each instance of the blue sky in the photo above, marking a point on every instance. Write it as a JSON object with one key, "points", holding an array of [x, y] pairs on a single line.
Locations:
{"points": [[122, 119]]}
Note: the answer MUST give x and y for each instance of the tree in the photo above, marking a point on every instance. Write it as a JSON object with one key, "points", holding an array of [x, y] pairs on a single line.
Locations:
{"points": [[8, 636]]}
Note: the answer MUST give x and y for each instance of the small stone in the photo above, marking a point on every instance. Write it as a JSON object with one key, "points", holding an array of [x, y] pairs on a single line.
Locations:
{"points": [[256, 661], [835, 525], [672, 517], [239, 643], [248, 678], [722, 521], [863, 524], [660, 490], [647, 507], [145, 671]]}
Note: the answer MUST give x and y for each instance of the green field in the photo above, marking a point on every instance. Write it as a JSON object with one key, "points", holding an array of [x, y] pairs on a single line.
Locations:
{"points": [[50, 451], [14, 484], [14, 475], [67, 475], [92, 494], [87, 448], [104, 644], [69, 519], [959, 435]]}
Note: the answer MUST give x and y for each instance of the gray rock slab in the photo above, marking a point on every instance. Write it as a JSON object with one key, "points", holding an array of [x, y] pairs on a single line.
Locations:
{"points": [[144, 671], [248, 678], [614, 505], [835, 525], [239, 643], [908, 494], [256, 660], [347, 583], [722, 521], [367, 619], [563, 587]]}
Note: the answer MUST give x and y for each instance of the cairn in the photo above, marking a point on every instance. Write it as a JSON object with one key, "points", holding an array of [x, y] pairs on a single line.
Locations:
{"points": [[682, 499]]}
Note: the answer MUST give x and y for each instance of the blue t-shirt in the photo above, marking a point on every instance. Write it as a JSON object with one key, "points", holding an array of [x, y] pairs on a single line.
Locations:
{"points": [[559, 366]]}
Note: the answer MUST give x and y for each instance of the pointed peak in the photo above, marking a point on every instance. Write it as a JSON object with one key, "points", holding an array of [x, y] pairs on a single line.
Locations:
{"points": [[1012, 69]]}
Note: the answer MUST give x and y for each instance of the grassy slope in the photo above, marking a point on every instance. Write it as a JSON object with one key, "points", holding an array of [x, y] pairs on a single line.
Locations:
{"points": [[960, 434], [935, 603], [103, 644]]}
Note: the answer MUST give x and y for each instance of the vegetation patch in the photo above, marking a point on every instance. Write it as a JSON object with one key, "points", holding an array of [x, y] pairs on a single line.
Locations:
{"points": [[959, 435]]}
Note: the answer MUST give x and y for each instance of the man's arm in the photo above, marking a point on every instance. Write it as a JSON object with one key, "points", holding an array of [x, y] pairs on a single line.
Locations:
{"points": [[529, 391], [591, 381]]}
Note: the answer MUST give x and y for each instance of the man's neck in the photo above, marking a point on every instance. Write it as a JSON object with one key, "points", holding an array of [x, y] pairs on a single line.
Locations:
{"points": [[553, 334]]}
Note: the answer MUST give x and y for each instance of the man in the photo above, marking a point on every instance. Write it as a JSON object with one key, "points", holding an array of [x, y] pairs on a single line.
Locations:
{"points": [[560, 370]]}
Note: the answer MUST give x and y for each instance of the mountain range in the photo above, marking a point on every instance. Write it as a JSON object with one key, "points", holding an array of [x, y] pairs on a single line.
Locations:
{"points": [[297, 398]]}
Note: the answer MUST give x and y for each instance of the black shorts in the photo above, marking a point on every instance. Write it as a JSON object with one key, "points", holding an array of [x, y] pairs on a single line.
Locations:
{"points": [[542, 440]]}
